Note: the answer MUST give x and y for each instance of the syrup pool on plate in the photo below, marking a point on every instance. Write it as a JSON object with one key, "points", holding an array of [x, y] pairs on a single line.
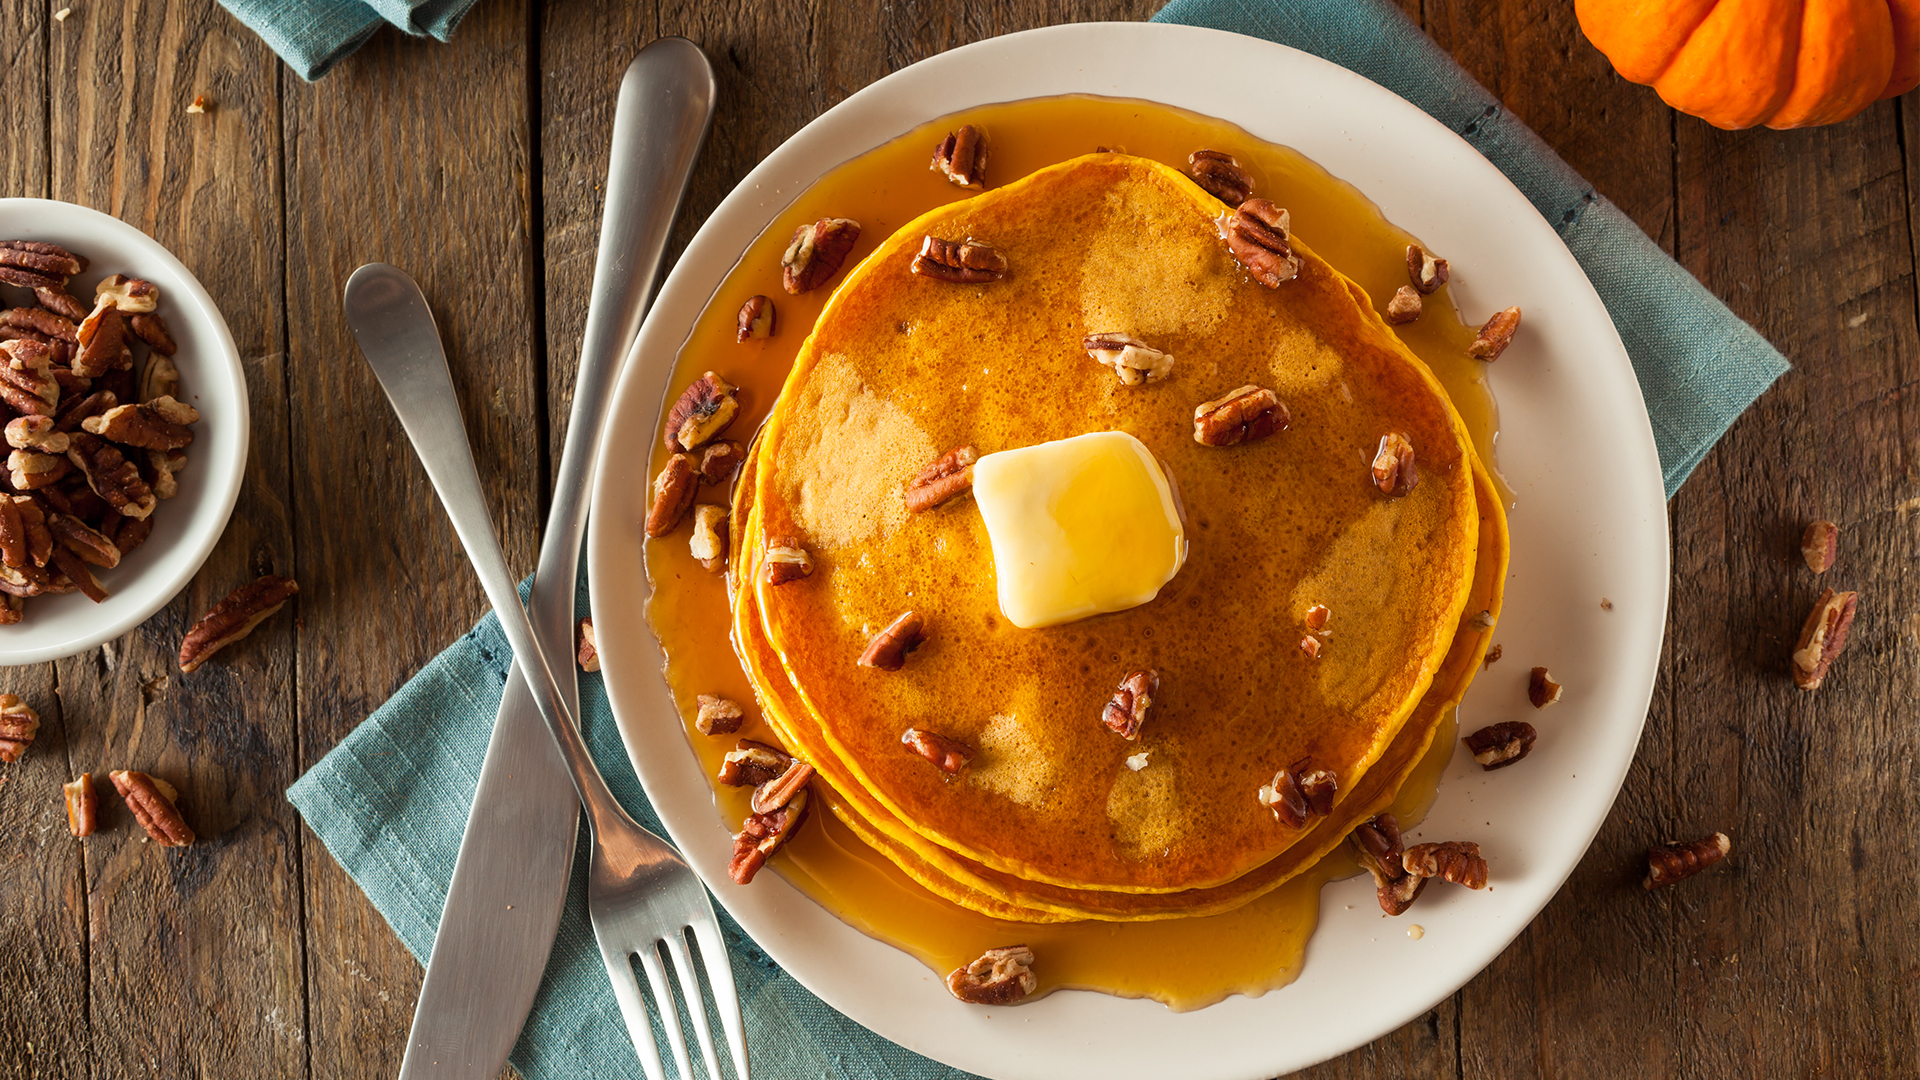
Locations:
{"points": [[1250, 950]]}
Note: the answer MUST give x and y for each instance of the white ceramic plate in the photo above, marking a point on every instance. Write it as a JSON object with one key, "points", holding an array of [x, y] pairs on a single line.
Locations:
{"points": [[185, 527], [1589, 522]]}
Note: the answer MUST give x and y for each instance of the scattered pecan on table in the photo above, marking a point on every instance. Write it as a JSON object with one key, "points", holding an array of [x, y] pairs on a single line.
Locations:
{"points": [[1671, 862], [155, 805], [234, 618]]}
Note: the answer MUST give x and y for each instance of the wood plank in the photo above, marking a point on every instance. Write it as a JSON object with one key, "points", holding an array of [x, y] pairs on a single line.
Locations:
{"points": [[417, 154], [212, 930]]}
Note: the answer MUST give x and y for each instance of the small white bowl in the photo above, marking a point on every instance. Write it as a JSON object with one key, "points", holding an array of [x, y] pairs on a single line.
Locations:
{"points": [[185, 527]]}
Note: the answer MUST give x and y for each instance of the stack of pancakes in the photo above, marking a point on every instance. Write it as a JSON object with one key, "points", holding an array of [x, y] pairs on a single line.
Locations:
{"points": [[1051, 820]]}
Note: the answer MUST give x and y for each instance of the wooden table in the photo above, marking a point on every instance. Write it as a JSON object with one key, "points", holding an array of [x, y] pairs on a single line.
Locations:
{"points": [[478, 166]]}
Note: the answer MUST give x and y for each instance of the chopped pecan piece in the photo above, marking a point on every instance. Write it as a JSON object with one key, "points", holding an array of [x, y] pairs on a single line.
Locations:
{"points": [[1541, 689], [1130, 358], [1671, 862], [1493, 656], [45, 323], [36, 433], [1482, 620], [1818, 545], [30, 470], [588, 653], [788, 561], [1405, 305], [83, 540], [154, 803], [962, 262], [1426, 272], [1128, 709], [1310, 645], [1495, 336], [720, 460], [948, 755], [717, 715], [1220, 175], [772, 794], [1500, 745], [962, 157], [152, 330], [160, 424], [709, 541], [889, 648], [755, 322], [161, 467], [1317, 617], [160, 379], [816, 253], [1394, 470], [750, 764], [761, 835], [129, 295], [1259, 235], [32, 264], [234, 618], [1244, 415], [111, 475], [999, 976], [1457, 861], [103, 341], [83, 805], [702, 412], [947, 476], [1822, 637], [673, 492], [57, 299], [18, 725]]}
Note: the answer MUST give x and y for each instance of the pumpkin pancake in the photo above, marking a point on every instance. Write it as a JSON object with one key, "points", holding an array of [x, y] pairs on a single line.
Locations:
{"points": [[998, 895], [900, 368]]}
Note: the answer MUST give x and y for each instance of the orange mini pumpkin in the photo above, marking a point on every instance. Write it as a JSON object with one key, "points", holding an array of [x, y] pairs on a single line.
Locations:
{"points": [[1782, 63]]}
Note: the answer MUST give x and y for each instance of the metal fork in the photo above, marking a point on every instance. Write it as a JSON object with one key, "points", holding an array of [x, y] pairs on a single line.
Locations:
{"points": [[641, 895]]}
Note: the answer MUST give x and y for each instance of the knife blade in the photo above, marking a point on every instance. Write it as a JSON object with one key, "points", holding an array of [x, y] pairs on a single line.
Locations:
{"points": [[510, 880]]}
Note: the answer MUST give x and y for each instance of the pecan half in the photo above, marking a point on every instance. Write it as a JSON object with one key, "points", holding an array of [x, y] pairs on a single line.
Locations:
{"points": [[755, 322], [130, 295], [1128, 709], [1378, 840], [1299, 794], [30, 470], [673, 492], [234, 618], [155, 805], [1457, 861], [999, 976], [35, 265], [1427, 273], [709, 540], [36, 433], [1818, 544], [816, 253], [40, 321], [1220, 175], [111, 475], [103, 341], [717, 715], [83, 540], [1405, 305], [1495, 336], [950, 756], [152, 330], [962, 157], [1822, 637], [161, 467], [75, 411], [1259, 235], [12, 609], [1398, 895], [1133, 360], [27, 378], [772, 794], [1671, 862], [946, 477], [720, 460], [788, 561], [128, 533], [750, 764], [1394, 470], [763, 834], [24, 537], [71, 385], [77, 575], [889, 648], [57, 299], [83, 805], [588, 653], [962, 262], [160, 424], [25, 581], [1541, 689], [1318, 786], [18, 725], [1244, 415], [160, 379], [1500, 745], [702, 412]]}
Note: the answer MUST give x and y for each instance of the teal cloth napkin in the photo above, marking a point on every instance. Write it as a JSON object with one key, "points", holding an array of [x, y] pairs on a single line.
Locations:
{"points": [[390, 802], [313, 35]]}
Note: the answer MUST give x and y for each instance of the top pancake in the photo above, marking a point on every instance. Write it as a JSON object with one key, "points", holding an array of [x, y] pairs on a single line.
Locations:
{"points": [[900, 368]]}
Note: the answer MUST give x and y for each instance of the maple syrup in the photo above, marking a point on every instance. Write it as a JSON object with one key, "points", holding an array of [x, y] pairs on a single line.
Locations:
{"points": [[1253, 949]]}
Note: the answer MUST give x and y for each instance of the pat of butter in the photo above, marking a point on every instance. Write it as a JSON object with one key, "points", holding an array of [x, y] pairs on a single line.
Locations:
{"points": [[1079, 527]]}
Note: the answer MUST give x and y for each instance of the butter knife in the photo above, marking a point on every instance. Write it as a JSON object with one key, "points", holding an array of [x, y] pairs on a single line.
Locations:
{"points": [[510, 881]]}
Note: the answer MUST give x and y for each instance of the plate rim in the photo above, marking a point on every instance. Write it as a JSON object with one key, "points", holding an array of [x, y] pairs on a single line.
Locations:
{"points": [[764, 193]]}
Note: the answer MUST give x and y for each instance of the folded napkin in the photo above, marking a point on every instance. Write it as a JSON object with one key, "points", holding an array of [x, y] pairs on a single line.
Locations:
{"points": [[313, 35], [390, 802]]}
